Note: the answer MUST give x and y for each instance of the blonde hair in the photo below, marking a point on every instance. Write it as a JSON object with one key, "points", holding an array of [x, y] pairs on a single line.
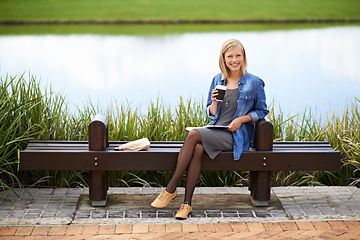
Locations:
{"points": [[227, 45]]}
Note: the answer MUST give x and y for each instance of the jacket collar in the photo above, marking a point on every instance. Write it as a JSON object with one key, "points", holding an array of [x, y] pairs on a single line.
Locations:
{"points": [[242, 79]]}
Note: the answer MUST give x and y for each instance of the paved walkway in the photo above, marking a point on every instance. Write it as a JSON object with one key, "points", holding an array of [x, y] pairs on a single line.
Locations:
{"points": [[295, 213], [264, 230]]}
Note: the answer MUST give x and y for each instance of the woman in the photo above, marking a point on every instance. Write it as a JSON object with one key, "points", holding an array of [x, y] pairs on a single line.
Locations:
{"points": [[243, 105]]}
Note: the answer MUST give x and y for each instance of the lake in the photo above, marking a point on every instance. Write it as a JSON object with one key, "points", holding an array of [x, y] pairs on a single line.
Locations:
{"points": [[311, 68]]}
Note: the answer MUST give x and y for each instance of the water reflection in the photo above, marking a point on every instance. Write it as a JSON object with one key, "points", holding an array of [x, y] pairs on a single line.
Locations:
{"points": [[301, 68]]}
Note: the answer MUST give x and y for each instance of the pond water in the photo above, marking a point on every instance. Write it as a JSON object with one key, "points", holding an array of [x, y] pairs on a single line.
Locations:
{"points": [[313, 68]]}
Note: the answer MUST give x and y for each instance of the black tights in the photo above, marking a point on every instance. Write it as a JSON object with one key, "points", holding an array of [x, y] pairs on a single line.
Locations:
{"points": [[189, 159]]}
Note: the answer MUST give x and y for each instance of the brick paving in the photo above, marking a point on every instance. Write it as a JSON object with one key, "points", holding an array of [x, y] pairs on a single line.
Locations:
{"points": [[266, 230], [296, 213]]}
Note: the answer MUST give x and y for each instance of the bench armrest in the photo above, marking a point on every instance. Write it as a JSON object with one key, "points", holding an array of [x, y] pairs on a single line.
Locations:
{"points": [[263, 135]]}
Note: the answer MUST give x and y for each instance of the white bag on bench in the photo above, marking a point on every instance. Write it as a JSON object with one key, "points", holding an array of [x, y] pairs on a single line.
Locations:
{"points": [[137, 145]]}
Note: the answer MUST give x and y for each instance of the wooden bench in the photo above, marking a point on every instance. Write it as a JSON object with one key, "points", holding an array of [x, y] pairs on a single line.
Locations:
{"points": [[98, 156]]}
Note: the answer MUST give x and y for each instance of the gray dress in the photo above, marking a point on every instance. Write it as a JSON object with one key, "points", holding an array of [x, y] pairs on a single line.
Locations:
{"points": [[217, 140]]}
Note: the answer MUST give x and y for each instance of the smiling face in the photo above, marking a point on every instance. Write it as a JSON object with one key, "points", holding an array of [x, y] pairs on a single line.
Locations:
{"points": [[234, 59]]}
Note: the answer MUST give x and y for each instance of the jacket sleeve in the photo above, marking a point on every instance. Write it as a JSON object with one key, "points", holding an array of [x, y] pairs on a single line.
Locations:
{"points": [[259, 110]]}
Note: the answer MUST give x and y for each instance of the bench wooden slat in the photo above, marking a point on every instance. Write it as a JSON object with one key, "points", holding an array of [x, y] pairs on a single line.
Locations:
{"points": [[49, 142], [161, 149], [59, 145], [52, 142], [56, 148], [68, 144]]}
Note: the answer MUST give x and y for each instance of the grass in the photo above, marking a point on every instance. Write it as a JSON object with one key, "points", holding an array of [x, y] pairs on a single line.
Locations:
{"points": [[150, 30], [160, 9], [24, 115], [29, 112], [185, 9], [341, 130]]}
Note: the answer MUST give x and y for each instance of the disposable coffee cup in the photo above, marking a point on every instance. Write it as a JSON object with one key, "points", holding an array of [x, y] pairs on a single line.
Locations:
{"points": [[221, 92]]}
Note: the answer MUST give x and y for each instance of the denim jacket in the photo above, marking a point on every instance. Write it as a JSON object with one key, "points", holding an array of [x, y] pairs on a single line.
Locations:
{"points": [[251, 101]]}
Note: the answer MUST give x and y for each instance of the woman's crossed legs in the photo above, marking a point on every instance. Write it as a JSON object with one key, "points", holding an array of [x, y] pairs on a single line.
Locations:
{"points": [[189, 159]]}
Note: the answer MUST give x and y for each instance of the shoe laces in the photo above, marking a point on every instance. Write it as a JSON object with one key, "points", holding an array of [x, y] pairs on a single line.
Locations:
{"points": [[162, 194], [184, 206]]}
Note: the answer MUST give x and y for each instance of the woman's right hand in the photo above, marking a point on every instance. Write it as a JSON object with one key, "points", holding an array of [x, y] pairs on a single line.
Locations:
{"points": [[213, 106], [214, 93]]}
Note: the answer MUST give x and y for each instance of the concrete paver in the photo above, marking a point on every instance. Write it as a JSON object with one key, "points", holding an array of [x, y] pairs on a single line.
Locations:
{"points": [[209, 227], [173, 228], [91, 229], [239, 227], [353, 224], [287, 226], [23, 231], [190, 228], [7, 231], [40, 231], [74, 230], [255, 227], [157, 228], [140, 228], [222, 227], [123, 229], [272, 226], [57, 231], [322, 226], [107, 229], [305, 225]]}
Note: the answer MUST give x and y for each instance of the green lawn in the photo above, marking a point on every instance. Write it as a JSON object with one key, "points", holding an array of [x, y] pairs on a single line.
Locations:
{"points": [[151, 29], [180, 9]]}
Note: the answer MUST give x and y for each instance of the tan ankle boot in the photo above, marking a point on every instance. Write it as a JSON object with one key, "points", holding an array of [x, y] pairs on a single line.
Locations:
{"points": [[163, 199], [184, 211]]}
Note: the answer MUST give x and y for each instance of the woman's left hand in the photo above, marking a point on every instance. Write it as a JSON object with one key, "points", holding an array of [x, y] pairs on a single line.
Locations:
{"points": [[235, 124]]}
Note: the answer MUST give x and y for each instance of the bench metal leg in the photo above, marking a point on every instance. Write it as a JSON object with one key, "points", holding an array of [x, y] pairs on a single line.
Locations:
{"points": [[260, 184], [251, 181], [99, 184]]}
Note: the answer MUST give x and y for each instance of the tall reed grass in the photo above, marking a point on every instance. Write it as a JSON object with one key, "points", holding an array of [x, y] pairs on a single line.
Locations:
{"points": [[30, 112], [340, 129], [25, 114]]}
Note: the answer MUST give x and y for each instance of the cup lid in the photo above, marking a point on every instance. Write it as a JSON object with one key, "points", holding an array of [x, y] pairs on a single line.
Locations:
{"points": [[221, 87]]}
